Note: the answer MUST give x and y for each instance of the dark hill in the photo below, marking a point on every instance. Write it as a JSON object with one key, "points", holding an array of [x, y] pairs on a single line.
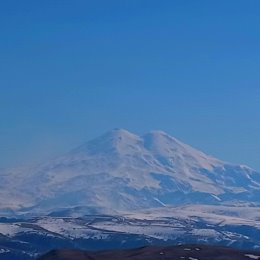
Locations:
{"points": [[181, 252]]}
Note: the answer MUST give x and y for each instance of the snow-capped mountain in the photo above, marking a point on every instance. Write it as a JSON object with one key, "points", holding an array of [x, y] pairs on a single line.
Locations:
{"points": [[121, 171]]}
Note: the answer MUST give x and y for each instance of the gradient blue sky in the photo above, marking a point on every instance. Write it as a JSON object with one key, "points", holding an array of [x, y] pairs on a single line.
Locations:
{"points": [[71, 70]]}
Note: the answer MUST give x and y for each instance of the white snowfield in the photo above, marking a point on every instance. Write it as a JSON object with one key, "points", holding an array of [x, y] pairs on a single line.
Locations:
{"points": [[213, 214], [121, 171], [253, 256], [10, 230]]}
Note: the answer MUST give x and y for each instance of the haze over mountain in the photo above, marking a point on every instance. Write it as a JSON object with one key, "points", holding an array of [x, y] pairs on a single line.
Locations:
{"points": [[121, 171]]}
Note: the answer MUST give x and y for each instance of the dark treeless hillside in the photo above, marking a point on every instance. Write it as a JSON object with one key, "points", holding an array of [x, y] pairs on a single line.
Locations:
{"points": [[182, 252]]}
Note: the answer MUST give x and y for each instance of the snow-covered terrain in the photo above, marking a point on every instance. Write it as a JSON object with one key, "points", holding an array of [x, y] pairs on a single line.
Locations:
{"points": [[162, 226], [121, 171]]}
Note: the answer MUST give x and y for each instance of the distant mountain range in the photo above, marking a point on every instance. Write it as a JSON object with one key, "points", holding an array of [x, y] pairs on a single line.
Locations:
{"points": [[121, 172]]}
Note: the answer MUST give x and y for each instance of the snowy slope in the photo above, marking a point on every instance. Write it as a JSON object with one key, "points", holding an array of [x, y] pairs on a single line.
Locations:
{"points": [[185, 224], [121, 171]]}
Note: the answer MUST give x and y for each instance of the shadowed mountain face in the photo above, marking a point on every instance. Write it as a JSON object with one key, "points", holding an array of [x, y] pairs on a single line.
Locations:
{"points": [[146, 171], [188, 252]]}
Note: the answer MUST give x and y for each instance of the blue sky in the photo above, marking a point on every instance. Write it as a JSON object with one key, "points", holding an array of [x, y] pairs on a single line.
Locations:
{"points": [[71, 70]]}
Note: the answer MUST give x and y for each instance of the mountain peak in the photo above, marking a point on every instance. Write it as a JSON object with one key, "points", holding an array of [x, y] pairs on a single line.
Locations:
{"points": [[114, 140], [160, 135], [158, 142], [157, 133], [119, 133]]}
